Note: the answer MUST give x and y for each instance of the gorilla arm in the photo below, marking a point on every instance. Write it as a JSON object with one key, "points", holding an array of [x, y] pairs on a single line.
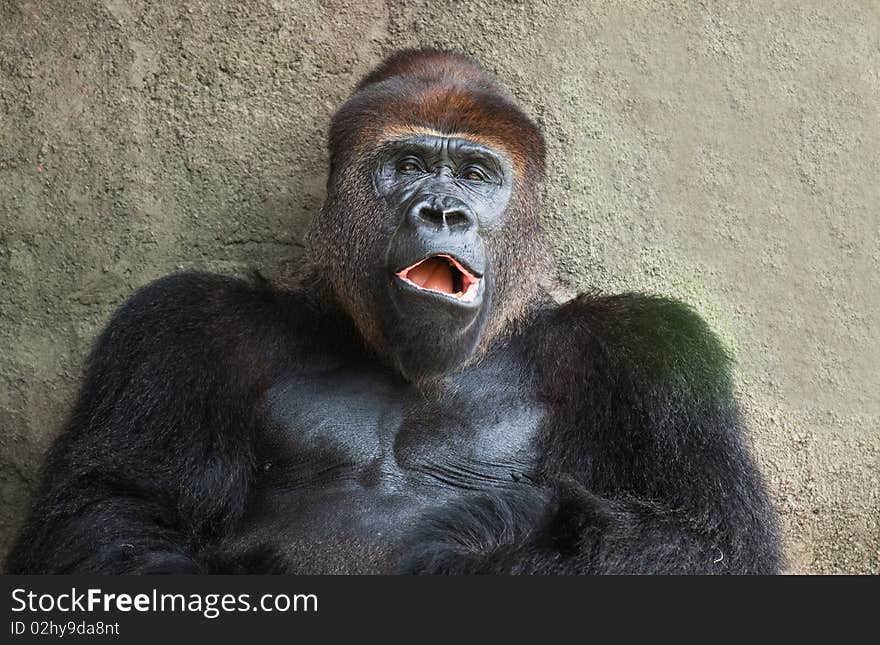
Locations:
{"points": [[155, 460], [645, 469]]}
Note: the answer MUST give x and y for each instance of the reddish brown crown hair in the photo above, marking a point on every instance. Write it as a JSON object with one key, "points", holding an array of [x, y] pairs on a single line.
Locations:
{"points": [[445, 92]]}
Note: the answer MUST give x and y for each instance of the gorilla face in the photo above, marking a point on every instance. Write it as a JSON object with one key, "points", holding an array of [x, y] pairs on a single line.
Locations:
{"points": [[409, 236], [445, 196], [429, 237]]}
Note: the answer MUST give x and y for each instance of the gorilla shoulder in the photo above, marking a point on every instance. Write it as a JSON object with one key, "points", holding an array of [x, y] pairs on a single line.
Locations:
{"points": [[200, 328], [652, 341], [177, 296], [198, 309]]}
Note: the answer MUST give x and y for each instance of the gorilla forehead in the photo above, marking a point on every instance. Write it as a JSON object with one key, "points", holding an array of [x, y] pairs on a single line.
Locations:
{"points": [[454, 148], [451, 143], [445, 92]]}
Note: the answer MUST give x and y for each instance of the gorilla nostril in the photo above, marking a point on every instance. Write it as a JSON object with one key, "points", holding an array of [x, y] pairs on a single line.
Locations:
{"points": [[454, 218], [431, 214], [457, 219]]}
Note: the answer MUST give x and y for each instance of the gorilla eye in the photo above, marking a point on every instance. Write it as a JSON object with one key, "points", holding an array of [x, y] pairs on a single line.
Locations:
{"points": [[473, 174], [408, 165]]}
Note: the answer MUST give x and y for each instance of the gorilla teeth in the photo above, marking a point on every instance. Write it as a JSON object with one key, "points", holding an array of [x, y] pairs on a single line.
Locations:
{"points": [[442, 274]]}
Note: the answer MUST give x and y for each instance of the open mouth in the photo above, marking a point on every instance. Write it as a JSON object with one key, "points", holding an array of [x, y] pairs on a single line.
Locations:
{"points": [[442, 274]]}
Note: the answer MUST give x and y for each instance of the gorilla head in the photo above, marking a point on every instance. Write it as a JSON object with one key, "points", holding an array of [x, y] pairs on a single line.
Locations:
{"points": [[429, 237]]}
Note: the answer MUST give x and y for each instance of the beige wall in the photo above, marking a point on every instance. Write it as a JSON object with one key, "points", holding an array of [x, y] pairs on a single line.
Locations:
{"points": [[725, 153]]}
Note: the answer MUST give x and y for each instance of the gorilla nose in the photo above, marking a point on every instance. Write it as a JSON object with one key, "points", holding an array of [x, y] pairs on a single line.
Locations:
{"points": [[443, 212]]}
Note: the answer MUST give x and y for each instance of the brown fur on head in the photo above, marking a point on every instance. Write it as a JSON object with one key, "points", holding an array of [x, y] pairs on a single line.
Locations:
{"points": [[435, 92]]}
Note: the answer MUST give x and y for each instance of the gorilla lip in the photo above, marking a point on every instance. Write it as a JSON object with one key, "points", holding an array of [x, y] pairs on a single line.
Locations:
{"points": [[442, 274]]}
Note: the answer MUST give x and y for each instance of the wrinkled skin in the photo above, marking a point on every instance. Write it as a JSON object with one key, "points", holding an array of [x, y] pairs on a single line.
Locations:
{"points": [[446, 194]]}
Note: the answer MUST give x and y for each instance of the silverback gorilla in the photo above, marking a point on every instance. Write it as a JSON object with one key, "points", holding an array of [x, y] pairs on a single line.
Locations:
{"points": [[417, 403]]}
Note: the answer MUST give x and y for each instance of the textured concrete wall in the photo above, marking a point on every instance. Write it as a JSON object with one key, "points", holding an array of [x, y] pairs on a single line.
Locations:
{"points": [[725, 154]]}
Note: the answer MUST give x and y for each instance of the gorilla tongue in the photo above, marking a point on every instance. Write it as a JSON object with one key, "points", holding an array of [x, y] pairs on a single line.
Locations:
{"points": [[442, 274], [434, 274]]}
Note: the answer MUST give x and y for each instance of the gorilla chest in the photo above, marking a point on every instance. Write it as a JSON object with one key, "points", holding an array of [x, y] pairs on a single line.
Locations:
{"points": [[350, 457], [357, 428]]}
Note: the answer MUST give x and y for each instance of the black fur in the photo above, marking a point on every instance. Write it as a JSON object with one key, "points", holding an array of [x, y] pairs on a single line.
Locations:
{"points": [[660, 480], [642, 464], [157, 455], [231, 426]]}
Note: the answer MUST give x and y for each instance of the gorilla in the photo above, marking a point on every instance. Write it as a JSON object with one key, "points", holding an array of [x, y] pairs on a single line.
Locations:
{"points": [[415, 401]]}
